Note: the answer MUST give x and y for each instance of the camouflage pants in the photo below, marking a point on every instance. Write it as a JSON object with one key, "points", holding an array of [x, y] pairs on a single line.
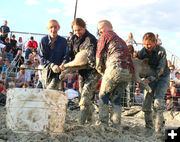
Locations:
{"points": [[89, 86], [156, 97], [113, 85]]}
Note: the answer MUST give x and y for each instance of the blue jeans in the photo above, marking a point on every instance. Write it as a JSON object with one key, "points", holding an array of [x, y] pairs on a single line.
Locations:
{"points": [[27, 52], [159, 89], [9, 57]]}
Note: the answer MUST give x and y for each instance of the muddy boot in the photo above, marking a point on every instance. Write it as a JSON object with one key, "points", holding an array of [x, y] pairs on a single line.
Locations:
{"points": [[148, 123], [83, 114], [116, 117], [90, 114], [159, 125], [103, 113]]}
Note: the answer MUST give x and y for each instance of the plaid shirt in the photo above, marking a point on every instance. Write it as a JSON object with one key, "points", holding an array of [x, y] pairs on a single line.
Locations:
{"points": [[111, 49]]}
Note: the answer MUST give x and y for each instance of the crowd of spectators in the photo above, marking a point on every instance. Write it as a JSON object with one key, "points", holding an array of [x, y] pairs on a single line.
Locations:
{"points": [[13, 61]]}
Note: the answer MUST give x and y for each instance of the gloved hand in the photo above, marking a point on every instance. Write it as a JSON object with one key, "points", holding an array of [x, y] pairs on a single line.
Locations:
{"points": [[55, 68]]}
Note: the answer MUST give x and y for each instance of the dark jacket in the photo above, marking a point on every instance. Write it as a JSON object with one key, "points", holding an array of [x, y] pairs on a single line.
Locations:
{"points": [[56, 55], [53, 56], [88, 42], [157, 61]]}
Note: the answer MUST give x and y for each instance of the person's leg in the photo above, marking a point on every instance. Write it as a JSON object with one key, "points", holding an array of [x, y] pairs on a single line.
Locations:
{"points": [[10, 57], [159, 122], [111, 79], [27, 52], [116, 104], [87, 93], [147, 106], [107, 86], [6, 55], [3, 39]]}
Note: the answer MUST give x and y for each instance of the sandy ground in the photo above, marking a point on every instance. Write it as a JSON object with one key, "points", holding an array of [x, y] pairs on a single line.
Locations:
{"points": [[132, 129]]}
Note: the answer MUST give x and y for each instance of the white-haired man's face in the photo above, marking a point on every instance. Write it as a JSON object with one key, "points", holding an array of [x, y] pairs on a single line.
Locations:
{"points": [[103, 28]]}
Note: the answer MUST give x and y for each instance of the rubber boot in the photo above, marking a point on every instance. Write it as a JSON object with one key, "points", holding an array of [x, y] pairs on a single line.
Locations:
{"points": [[90, 114], [83, 114], [148, 116], [116, 116], [159, 125], [103, 113]]}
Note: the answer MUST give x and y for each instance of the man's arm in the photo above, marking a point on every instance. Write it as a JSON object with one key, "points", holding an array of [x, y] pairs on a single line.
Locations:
{"points": [[100, 65]]}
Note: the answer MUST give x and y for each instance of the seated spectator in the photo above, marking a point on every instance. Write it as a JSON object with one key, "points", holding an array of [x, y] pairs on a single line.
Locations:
{"points": [[69, 82], [3, 92], [138, 97], [32, 44], [22, 78], [35, 55], [19, 60], [31, 58], [20, 44], [5, 65], [170, 105], [30, 72], [35, 63], [8, 51], [175, 94], [36, 78], [69, 86], [173, 71]]}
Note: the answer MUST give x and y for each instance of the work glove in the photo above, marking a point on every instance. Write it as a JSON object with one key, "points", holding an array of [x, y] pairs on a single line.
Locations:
{"points": [[55, 68]]}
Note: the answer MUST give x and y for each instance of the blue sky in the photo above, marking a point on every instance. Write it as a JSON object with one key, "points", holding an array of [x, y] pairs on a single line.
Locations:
{"points": [[136, 16]]}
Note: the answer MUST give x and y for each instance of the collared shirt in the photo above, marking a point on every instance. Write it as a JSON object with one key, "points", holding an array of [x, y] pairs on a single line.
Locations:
{"points": [[56, 55], [112, 49], [157, 61]]}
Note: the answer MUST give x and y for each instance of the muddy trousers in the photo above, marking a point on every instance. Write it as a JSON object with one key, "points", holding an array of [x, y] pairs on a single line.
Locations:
{"points": [[113, 86], [155, 119], [115, 113], [88, 91]]}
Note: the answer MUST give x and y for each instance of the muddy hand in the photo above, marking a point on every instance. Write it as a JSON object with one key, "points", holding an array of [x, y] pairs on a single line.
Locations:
{"points": [[62, 66]]}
